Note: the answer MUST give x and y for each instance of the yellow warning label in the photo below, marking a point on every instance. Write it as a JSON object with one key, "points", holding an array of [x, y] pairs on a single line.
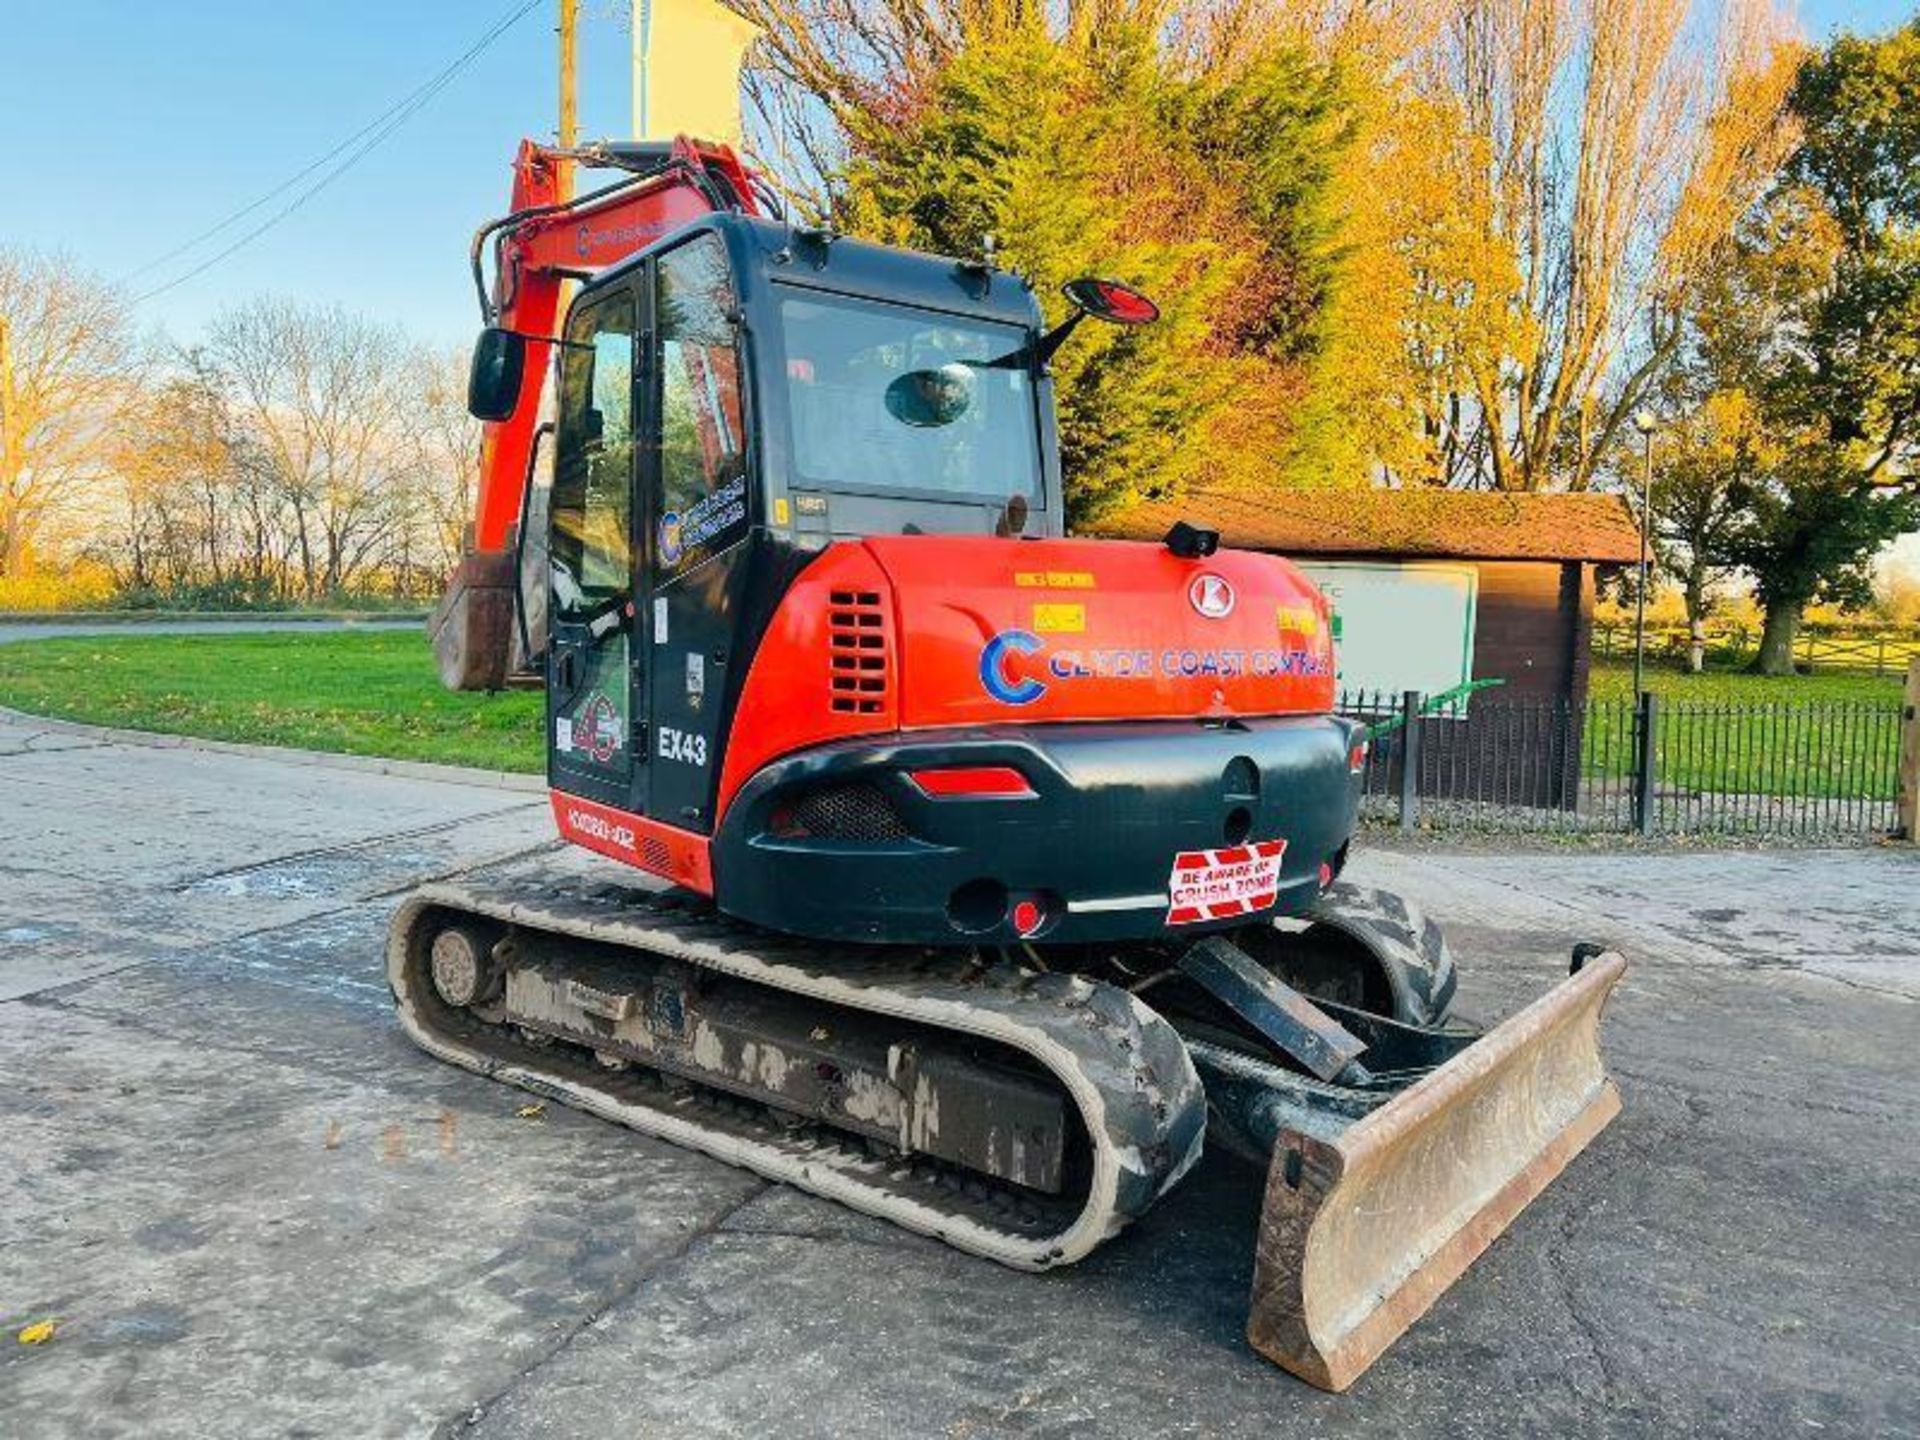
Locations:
{"points": [[1054, 579], [1298, 620], [1060, 619], [782, 511]]}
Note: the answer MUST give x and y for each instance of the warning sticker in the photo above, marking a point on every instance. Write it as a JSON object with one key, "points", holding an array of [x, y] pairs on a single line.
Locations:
{"points": [[1219, 884]]}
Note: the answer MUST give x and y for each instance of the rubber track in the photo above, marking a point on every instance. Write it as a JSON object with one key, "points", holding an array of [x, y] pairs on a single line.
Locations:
{"points": [[1124, 1066]]}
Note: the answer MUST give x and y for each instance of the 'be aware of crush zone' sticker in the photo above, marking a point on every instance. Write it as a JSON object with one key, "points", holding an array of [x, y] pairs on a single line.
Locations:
{"points": [[1219, 884]]}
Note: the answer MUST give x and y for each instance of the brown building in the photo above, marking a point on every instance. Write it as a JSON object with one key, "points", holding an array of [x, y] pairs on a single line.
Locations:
{"points": [[1533, 555], [1435, 587]]}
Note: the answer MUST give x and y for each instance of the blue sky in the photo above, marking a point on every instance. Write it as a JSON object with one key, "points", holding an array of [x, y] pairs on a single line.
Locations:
{"points": [[129, 125]]}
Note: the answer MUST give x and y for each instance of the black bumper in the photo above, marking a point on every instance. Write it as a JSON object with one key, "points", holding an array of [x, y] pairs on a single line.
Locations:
{"points": [[837, 843]]}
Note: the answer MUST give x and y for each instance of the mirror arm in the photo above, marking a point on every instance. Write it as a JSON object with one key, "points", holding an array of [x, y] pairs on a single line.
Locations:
{"points": [[558, 341], [1051, 341]]}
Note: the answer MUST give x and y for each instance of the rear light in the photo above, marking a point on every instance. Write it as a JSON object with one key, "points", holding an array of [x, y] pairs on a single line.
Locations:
{"points": [[1027, 917], [1357, 758], [972, 782], [1326, 874]]}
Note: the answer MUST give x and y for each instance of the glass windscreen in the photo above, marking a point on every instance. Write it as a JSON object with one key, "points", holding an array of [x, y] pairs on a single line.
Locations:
{"points": [[891, 399]]}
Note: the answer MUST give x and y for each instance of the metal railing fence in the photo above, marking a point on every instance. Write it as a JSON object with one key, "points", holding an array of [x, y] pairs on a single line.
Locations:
{"points": [[1816, 769], [1885, 652]]}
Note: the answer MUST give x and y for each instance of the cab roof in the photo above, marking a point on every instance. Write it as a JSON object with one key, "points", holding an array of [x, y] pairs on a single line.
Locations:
{"points": [[785, 253]]}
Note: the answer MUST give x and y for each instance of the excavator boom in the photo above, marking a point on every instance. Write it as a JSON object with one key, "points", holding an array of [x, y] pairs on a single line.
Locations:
{"points": [[541, 244]]}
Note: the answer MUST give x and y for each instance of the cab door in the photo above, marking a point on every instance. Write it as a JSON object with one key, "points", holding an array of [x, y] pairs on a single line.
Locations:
{"points": [[694, 480], [596, 708]]}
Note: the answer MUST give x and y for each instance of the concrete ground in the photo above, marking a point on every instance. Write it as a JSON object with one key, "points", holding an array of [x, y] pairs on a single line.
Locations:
{"points": [[255, 1209]]}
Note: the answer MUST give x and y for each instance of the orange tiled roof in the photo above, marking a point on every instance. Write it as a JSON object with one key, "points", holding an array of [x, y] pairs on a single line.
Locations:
{"points": [[1465, 524]]}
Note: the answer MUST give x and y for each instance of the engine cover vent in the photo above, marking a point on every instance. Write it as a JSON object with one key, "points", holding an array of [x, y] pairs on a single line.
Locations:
{"points": [[858, 646]]}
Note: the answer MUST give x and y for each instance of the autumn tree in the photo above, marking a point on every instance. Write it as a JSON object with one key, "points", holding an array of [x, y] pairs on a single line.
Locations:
{"points": [[235, 492], [1190, 166], [1706, 458], [441, 476], [69, 362], [1490, 212], [318, 396], [1815, 319], [171, 522], [1602, 150], [1896, 594]]}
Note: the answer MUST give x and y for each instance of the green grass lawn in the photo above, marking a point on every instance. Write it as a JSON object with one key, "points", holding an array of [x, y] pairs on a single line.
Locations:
{"points": [[360, 692], [1613, 680], [1730, 732], [350, 692]]}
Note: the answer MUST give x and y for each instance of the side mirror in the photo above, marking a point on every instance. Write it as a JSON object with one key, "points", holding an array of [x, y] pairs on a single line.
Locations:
{"points": [[493, 383], [1106, 300], [1111, 301]]}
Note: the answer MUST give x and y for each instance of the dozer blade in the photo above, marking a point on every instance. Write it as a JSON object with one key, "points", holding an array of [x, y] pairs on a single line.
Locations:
{"points": [[1364, 1227]]}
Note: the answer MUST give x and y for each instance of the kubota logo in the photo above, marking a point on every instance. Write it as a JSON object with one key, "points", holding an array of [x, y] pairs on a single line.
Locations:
{"points": [[993, 668], [1211, 595]]}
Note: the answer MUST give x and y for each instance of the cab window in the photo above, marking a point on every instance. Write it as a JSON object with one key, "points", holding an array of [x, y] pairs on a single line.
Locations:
{"points": [[895, 400], [703, 469], [590, 555]]}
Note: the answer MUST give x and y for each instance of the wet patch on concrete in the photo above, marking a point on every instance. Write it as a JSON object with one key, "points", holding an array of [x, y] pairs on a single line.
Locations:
{"points": [[169, 1237], [148, 1325]]}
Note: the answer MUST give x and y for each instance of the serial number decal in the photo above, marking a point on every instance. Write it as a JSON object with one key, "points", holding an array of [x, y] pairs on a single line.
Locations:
{"points": [[600, 828], [681, 745]]}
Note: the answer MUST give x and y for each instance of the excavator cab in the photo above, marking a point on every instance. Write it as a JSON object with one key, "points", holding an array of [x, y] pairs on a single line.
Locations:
{"points": [[731, 404], [728, 403]]}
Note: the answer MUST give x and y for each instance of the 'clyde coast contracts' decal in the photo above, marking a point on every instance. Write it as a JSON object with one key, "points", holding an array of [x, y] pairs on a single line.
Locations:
{"points": [[1012, 662], [677, 536]]}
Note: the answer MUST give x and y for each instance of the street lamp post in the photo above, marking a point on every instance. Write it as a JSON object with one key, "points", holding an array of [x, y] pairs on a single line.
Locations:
{"points": [[1644, 422]]}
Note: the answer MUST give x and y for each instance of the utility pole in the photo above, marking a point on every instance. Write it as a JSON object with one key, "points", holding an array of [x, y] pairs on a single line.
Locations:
{"points": [[642, 41], [569, 104], [6, 399]]}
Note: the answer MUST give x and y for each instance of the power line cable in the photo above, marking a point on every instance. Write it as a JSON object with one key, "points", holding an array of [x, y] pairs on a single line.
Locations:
{"points": [[378, 130], [277, 191], [373, 134]]}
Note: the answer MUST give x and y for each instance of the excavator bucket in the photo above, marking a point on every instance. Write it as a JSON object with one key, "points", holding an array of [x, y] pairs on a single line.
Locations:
{"points": [[472, 626], [1366, 1221]]}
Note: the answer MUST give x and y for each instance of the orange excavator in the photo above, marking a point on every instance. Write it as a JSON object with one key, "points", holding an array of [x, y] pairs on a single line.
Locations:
{"points": [[970, 874]]}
